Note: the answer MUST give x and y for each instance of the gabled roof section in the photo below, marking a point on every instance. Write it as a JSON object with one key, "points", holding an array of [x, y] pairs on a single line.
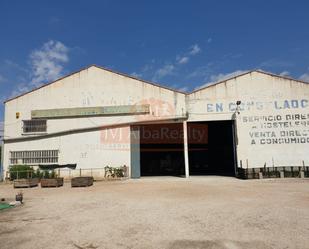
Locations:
{"points": [[47, 84], [102, 68], [280, 76], [145, 81], [158, 85], [249, 72]]}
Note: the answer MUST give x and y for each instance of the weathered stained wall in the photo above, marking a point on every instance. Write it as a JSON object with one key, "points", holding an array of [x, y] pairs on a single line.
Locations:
{"points": [[273, 124], [95, 149], [89, 88]]}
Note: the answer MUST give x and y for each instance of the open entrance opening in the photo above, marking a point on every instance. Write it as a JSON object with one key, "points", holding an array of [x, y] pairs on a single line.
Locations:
{"points": [[161, 149], [214, 155]]}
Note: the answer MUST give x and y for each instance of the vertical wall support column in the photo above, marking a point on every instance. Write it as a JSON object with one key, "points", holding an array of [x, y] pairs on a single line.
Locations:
{"points": [[185, 143], [135, 152]]}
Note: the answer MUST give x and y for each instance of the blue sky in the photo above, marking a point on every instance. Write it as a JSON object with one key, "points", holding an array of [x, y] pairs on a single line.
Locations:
{"points": [[181, 44]]}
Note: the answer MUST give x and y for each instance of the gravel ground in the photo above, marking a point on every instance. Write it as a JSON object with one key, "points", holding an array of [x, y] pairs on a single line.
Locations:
{"points": [[200, 212]]}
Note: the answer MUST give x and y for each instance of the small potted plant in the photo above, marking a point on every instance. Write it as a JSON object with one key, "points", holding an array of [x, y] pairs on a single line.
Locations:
{"points": [[50, 179]]}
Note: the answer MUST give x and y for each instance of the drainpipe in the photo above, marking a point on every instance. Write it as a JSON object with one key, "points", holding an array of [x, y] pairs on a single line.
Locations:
{"points": [[235, 136]]}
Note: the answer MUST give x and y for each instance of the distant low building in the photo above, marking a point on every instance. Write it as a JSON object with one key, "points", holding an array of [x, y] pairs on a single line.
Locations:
{"points": [[252, 123]]}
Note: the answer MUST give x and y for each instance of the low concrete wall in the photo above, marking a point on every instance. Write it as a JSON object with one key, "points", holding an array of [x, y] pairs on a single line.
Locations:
{"points": [[273, 172]]}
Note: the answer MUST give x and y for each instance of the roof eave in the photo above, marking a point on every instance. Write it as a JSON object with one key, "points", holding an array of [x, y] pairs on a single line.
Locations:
{"points": [[102, 68]]}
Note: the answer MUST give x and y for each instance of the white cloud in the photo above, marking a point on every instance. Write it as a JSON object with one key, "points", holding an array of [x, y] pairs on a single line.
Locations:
{"points": [[136, 75], [285, 73], [275, 63], [47, 62], [221, 77], [148, 67], [182, 60], [19, 89], [183, 89], [2, 79], [46, 65], [304, 77], [168, 68], [163, 71], [201, 71], [195, 49], [15, 66]]}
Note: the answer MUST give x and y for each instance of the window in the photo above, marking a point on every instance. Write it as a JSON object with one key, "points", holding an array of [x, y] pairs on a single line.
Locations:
{"points": [[34, 125], [34, 157]]}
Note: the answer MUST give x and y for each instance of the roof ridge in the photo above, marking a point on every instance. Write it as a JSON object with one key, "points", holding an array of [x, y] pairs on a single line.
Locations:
{"points": [[47, 84], [221, 81], [102, 68], [136, 78], [156, 84], [249, 72], [280, 76]]}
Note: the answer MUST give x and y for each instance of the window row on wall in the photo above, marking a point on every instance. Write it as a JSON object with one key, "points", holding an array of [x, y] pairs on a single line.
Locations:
{"points": [[34, 125], [34, 157]]}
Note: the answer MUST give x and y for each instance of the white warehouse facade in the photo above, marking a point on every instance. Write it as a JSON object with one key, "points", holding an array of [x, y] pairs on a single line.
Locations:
{"points": [[253, 124]]}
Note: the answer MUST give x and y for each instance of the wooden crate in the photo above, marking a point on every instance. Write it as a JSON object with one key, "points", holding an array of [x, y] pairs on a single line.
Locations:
{"points": [[26, 183], [82, 181], [53, 182]]}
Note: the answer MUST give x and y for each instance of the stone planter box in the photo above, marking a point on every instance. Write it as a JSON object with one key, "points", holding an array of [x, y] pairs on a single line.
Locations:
{"points": [[53, 182], [114, 178], [26, 183], [82, 181]]}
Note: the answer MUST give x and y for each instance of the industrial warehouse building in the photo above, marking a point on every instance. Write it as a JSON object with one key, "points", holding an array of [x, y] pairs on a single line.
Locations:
{"points": [[255, 122]]}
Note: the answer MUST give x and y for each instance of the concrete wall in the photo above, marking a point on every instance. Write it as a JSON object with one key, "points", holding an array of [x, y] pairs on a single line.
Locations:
{"points": [[92, 149], [273, 124], [89, 88]]}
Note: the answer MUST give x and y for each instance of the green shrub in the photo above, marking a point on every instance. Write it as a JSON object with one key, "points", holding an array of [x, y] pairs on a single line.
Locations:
{"points": [[113, 171], [38, 174], [118, 172], [46, 174], [53, 174], [21, 171]]}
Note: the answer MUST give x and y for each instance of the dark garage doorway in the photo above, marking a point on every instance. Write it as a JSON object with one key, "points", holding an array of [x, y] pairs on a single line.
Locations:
{"points": [[214, 155], [161, 149]]}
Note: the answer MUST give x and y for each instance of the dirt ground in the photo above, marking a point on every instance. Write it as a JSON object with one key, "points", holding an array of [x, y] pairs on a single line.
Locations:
{"points": [[200, 212]]}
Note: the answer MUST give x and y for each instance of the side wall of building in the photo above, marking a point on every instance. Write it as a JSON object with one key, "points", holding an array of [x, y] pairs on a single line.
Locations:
{"points": [[88, 88], [89, 150], [273, 120]]}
